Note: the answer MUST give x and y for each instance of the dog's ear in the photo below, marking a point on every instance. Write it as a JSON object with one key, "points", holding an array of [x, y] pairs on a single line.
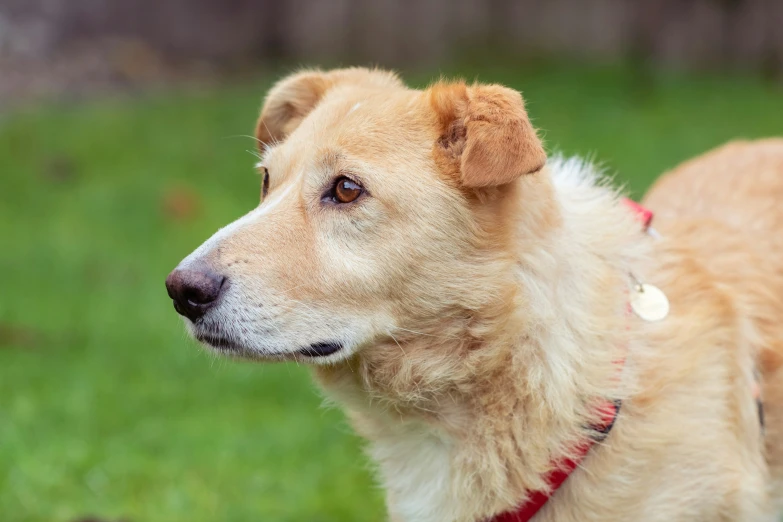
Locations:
{"points": [[291, 99], [486, 136]]}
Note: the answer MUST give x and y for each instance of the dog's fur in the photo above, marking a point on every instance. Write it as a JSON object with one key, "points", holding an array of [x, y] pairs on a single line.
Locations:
{"points": [[479, 294]]}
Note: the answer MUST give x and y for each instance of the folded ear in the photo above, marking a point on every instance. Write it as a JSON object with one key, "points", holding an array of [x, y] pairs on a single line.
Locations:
{"points": [[486, 136], [291, 99]]}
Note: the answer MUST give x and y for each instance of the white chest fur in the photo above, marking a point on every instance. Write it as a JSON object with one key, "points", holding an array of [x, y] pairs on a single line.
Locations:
{"points": [[414, 461]]}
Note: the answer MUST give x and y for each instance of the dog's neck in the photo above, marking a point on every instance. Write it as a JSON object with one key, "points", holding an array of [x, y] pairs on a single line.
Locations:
{"points": [[505, 389]]}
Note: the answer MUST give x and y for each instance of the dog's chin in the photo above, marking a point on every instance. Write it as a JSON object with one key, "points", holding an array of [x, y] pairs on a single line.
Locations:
{"points": [[324, 352]]}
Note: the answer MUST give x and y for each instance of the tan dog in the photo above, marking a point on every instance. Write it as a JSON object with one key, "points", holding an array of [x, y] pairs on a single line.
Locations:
{"points": [[467, 303]]}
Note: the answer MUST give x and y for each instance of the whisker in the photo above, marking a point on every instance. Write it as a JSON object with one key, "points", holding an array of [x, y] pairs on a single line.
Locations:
{"points": [[397, 343], [254, 138], [274, 140]]}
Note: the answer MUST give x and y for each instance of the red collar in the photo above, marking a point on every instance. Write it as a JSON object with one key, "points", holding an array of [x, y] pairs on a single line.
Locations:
{"points": [[608, 412]]}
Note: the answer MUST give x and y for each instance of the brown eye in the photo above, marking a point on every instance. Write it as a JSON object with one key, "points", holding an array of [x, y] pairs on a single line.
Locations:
{"points": [[346, 191], [265, 184]]}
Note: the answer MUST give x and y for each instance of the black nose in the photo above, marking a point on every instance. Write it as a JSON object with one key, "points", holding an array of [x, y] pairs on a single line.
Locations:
{"points": [[194, 291]]}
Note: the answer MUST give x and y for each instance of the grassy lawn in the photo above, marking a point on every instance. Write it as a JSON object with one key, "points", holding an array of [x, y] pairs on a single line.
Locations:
{"points": [[107, 409]]}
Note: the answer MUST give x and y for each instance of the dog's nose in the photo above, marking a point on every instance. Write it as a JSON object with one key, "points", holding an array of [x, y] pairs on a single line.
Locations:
{"points": [[194, 291]]}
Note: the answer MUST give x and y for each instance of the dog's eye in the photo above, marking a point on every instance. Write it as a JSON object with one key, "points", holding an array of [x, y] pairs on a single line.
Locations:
{"points": [[265, 184], [346, 190]]}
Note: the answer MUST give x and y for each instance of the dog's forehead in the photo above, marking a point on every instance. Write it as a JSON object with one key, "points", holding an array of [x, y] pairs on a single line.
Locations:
{"points": [[367, 124], [369, 114]]}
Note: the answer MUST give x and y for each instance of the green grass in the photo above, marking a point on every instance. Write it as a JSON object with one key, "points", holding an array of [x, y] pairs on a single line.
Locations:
{"points": [[107, 409]]}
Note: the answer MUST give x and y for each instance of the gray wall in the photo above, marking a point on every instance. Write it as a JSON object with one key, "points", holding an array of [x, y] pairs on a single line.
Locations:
{"points": [[129, 40]]}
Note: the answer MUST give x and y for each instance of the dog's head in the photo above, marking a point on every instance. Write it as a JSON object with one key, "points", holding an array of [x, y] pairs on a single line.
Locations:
{"points": [[384, 210]]}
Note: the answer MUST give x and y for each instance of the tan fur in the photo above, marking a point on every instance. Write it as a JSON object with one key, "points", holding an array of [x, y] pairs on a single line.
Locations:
{"points": [[292, 99], [486, 134], [480, 301]]}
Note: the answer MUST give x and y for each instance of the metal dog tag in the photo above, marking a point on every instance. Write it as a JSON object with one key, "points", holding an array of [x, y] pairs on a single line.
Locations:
{"points": [[649, 302]]}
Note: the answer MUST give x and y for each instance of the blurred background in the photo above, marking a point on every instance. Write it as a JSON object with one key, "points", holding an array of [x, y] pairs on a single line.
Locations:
{"points": [[123, 145]]}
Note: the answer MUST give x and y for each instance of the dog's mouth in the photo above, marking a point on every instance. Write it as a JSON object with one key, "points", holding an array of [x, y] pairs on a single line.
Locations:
{"points": [[231, 347], [322, 349], [221, 344]]}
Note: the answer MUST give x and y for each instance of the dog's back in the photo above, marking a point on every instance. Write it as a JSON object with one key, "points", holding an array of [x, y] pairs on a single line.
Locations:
{"points": [[727, 205]]}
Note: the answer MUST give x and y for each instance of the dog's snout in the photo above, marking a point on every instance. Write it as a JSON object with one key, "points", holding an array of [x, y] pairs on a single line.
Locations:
{"points": [[194, 291]]}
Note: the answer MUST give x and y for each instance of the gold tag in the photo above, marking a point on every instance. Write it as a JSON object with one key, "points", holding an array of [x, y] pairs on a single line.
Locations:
{"points": [[649, 302]]}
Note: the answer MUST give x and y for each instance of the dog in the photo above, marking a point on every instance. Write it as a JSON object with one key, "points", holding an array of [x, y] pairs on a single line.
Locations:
{"points": [[507, 334]]}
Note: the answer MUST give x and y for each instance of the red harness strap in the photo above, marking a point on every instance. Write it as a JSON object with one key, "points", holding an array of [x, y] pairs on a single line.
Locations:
{"points": [[644, 215], [563, 469]]}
